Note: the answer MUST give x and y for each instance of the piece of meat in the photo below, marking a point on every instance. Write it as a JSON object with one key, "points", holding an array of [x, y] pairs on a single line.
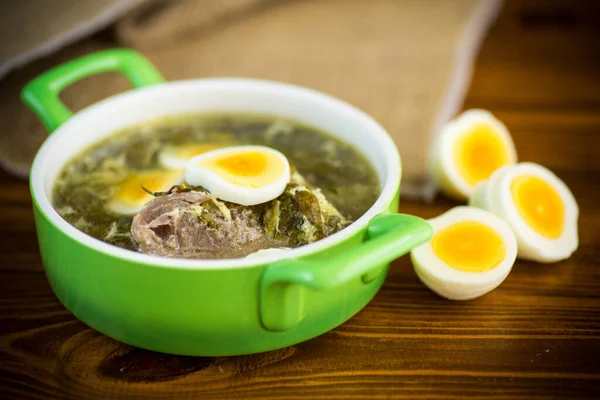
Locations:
{"points": [[196, 225], [191, 223]]}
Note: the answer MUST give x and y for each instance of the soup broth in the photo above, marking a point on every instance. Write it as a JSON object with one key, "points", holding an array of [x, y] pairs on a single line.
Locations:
{"points": [[91, 179]]}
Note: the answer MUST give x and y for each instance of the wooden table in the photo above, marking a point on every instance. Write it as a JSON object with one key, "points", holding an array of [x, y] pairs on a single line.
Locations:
{"points": [[537, 336]]}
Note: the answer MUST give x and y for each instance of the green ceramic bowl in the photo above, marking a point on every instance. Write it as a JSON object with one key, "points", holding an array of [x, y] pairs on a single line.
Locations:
{"points": [[210, 307]]}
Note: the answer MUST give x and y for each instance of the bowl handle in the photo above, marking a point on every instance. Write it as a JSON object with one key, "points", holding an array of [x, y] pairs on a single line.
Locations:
{"points": [[388, 236], [41, 94]]}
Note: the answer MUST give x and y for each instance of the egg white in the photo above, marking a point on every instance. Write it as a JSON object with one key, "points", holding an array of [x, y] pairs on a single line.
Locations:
{"points": [[442, 166], [266, 252], [454, 284], [496, 196], [195, 174]]}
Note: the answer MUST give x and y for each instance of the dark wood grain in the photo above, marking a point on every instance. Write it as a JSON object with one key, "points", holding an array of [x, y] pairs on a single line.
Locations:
{"points": [[535, 337]]}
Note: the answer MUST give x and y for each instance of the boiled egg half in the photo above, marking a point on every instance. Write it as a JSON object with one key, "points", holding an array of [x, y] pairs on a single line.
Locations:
{"points": [[175, 157], [129, 197], [472, 251], [245, 175], [467, 151], [538, 206]]}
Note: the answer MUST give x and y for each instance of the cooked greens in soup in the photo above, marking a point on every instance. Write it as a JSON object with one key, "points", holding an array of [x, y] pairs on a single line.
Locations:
{"points": [[130, 190]]}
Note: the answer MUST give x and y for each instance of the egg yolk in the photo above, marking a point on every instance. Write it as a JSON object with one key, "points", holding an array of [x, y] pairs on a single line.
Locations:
{"points": [[479, 152], [247, 168], [539, 204], [469, 246], [131, 192]]}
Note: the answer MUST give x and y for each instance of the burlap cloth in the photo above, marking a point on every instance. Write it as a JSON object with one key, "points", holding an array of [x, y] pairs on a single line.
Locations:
{"points": [[405, 62]]}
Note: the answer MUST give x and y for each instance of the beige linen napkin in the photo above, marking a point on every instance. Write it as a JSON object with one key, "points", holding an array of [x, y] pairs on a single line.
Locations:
{"points": [[405, 62]]}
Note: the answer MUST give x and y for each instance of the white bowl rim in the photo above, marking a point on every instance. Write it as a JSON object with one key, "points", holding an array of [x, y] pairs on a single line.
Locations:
{"points": [[388, 190]]}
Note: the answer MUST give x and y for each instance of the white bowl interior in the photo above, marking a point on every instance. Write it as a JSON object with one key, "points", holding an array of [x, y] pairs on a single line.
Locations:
{"points": [[216, 95]]}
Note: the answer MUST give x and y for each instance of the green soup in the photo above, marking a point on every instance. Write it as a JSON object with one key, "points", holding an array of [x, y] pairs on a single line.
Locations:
{"points": [[90, 180]]}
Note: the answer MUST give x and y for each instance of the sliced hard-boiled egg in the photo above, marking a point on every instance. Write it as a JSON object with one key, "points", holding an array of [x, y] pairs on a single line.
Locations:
{"points": [[130, 197], [245, 175], [175, 157], [538, 206], [471, 253], [468, 150]]}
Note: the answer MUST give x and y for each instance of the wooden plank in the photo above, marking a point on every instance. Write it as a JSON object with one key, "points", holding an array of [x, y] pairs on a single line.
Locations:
{"points": [[535, 337]]}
